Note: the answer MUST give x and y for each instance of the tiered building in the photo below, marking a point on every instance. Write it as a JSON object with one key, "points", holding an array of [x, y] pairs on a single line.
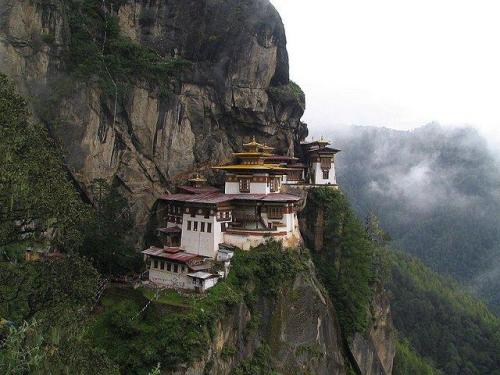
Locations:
{"points": [[202, 222]]}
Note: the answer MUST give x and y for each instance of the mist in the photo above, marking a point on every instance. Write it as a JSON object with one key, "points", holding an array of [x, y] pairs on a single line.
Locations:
{"points": [[436, 191]]}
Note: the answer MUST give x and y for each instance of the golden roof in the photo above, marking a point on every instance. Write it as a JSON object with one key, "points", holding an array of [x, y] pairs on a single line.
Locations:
{"points": [[268, 167], [251, 154]]}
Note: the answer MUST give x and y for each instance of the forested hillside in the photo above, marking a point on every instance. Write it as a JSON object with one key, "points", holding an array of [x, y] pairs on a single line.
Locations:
{"points": [[443, 324], [437, 194], [441, 328]]}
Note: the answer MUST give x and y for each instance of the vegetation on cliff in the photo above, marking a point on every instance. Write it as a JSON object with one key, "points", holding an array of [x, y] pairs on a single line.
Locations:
{"points": [[47, 306], [408, 362], [346, 263], [174, 329], [35, 190], [442, 328], [129, 330]]}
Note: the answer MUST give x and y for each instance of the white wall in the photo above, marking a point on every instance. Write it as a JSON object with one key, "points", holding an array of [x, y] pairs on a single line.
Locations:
{"points": [[292, 238], [198, 242], [259, 188], [255, 187], [232, 187], [170, 279], [318, 175]]}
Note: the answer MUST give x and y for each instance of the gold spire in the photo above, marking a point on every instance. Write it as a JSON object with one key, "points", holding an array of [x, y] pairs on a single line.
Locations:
{"points": [[252, 143], [323, 141], [197, 178]]}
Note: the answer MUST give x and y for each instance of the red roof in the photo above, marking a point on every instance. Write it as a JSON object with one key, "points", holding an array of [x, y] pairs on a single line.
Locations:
{"points": [[170, 253], [207, 198], [214, 198]]}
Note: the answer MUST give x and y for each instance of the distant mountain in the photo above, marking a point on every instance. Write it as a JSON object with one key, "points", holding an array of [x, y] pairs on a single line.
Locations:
{"points": [[436, 192]]}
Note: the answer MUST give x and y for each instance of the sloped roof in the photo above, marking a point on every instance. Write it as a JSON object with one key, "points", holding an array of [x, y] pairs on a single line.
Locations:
{"points": [[214, 198], [175, 254]]}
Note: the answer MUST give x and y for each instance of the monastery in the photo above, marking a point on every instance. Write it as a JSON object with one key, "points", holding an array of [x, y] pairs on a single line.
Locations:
{"points": [[204, 224]]}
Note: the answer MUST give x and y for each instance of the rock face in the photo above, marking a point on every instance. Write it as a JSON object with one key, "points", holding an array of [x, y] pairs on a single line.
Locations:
{"points": [[299, 326], [145, 141], [374, 351]]}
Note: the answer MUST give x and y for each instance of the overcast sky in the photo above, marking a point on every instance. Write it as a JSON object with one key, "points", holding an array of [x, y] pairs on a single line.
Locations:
{"points": [[396, 63]]}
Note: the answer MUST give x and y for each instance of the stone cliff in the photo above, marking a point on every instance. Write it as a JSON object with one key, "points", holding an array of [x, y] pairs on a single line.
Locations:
{"points": [[236, 86], [299, 327]]}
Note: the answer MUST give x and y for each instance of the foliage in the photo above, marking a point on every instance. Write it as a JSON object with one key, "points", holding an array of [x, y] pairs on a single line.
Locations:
{"points": [[174, 331], [105, 240], [346, 264], [49, 302], [45, 289], [441, 321], [268, 266], [407, 362], [285, 93], [98, 49], [35, 192], [61, 350], [259, 364]]}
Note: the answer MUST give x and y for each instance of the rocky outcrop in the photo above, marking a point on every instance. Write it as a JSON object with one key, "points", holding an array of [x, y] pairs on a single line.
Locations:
{"points": [[146, 140], [299, 326], [374, 351]]}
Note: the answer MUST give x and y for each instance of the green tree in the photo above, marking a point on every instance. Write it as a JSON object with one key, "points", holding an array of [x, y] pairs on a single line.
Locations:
{"points": [[105, 235], [50, 303], [441, 321], [30, 349], [35, 192], [346, 263], [408, 362]]}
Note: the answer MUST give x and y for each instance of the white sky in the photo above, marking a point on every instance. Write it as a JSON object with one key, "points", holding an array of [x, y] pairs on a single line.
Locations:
{"points": [[396, 63]]}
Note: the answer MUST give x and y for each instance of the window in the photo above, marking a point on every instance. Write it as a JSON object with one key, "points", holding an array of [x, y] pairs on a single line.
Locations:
{"points": [[195, 226], [244, 185], [209, 227], [326, 175], [176, 268], [189, 224], [326, 163], [162, 265], [275, 212], [169, 267], [155, 263], [202, 229], [274, 184]]}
